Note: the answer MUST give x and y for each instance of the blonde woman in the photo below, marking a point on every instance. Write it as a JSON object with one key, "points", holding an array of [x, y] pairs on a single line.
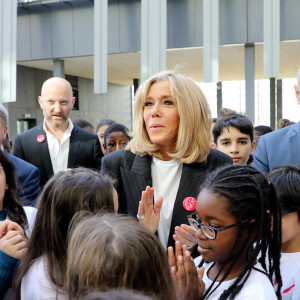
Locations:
{"points": [[169, 151]]}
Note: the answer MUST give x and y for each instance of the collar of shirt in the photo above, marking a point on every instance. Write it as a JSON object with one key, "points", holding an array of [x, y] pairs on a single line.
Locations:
{"points": [[67, 132], [59, 153]]}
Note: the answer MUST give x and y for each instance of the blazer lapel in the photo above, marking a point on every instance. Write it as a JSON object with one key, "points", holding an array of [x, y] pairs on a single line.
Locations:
{"points": [[74, 146], [44, 151], [191, 177], [136, 179], [294, 147]]}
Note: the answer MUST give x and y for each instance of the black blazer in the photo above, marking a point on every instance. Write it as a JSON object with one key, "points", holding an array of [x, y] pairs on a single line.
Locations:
{"points": [[84, 151], [133, 174]]}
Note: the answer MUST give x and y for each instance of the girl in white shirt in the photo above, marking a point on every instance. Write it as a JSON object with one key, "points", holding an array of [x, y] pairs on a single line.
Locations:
{"points": [[43, 267], [286, 180], [237, 221]]}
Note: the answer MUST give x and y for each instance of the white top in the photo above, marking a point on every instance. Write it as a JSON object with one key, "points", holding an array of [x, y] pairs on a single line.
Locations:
{"points": [[59, 153], [36, 284], [30, 214], [258, 286], [165, 179], [290, 274]]}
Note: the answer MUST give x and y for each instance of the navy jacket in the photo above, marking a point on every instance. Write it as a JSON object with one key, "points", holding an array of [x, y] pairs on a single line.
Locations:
{"points": [[28, 180]]}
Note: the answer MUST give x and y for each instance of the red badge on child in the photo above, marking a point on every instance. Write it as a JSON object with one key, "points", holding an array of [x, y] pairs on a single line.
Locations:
{"points": [[40, 138], [189, 203]]}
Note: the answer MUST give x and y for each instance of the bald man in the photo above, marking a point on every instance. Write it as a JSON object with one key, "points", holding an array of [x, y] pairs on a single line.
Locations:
{"points": [[56, 144]]}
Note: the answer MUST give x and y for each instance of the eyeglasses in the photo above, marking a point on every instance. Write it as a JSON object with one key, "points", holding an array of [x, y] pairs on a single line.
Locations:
{"points": [[209, 231]]}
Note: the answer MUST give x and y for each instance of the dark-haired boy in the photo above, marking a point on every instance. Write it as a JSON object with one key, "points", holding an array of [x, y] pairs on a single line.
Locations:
{"points": [[233, 135]]}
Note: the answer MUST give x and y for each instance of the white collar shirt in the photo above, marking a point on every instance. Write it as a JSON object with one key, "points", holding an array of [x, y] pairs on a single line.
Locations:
{"points": [[59, 153]]}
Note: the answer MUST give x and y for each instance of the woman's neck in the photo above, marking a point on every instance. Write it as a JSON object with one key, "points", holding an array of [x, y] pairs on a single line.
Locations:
{"points": [[165, 152]]}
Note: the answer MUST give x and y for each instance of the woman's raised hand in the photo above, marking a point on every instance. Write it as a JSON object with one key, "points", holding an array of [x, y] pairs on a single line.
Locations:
{"points": [[149, 214], [184, 272]]}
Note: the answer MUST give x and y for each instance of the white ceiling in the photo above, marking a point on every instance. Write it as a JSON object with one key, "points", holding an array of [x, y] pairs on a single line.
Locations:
{"points": [[122, 68]]}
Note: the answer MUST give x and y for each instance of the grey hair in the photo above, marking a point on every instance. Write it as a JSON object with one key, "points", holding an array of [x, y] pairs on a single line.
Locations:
{"points": [[3, 115]]}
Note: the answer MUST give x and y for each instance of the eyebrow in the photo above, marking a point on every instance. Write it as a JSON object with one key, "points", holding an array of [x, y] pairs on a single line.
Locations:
{"points": [[239, 139], [51, 99], [163, 97], [209, 217]]}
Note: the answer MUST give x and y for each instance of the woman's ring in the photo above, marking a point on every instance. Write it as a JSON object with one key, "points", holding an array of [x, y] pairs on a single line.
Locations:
{"points": [[140, 218]]}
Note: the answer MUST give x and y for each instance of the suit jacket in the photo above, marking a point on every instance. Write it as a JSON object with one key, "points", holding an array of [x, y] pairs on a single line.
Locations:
{"points": [[133, 173], [277, 148], [84, 151], [28, 180]]}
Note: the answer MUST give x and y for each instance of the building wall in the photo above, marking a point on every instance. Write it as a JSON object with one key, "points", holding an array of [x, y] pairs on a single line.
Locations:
{"points": [[66, 29], [116, 104]]}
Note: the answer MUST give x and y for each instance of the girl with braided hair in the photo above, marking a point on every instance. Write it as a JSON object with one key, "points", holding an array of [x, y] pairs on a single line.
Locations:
{"points": [[237, 221], [286, 180]]}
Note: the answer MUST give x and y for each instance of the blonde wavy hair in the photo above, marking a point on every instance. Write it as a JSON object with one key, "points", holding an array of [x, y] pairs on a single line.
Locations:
{"points": [[194, 135]]}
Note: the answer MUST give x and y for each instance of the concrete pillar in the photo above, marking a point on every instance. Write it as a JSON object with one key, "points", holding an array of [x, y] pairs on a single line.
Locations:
{"points": [[279, 101], [8, 40], [58, 68], [219, 97], [273, 103], [154, 37], [136, 84], [100, 46], [271, 38], [211, 40], [249, 81]]}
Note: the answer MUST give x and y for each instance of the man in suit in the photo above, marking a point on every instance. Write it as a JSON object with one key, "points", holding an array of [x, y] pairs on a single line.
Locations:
{"points": [[279, 147], [28, 176], [56, 144]]}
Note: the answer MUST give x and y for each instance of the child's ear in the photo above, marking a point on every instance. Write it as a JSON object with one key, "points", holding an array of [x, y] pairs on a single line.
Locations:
{"points": [[214, 146], [253, 145], [252, 228]]}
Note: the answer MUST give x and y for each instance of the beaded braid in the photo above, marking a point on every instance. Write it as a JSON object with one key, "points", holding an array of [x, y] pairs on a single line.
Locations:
{"points": [[250, 197]]}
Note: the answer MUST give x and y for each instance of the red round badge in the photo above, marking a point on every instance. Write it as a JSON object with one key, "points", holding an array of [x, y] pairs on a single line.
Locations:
{"points": [[189, 203], [40, 138]]}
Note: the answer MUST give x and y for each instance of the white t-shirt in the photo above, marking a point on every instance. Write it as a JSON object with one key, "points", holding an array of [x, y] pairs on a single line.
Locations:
{"points": [[59, 153], [165, 179], [290, 274], [30, 214], [257, 287], [36, 284]]}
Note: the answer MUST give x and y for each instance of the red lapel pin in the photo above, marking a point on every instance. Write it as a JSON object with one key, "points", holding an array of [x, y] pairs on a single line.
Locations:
{"points": [[40, 138], [189, 203]]}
